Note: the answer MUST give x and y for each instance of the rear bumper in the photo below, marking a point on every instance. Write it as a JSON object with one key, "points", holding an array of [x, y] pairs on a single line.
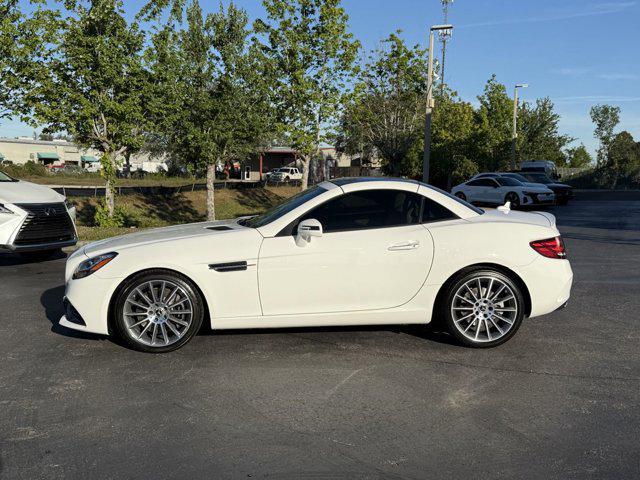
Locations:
{"points": [[549, 282]]}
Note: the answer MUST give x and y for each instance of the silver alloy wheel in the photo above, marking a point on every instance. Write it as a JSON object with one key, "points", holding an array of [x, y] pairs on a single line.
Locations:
{"points": [[157, 313], [484, 309]]}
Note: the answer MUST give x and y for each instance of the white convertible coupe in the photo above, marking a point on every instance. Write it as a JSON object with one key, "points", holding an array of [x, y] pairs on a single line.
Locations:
{"points": [[353, 251]]}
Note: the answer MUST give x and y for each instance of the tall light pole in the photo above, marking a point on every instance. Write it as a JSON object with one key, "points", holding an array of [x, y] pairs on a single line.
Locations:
{"points": [[430, 103], [514, 134]]}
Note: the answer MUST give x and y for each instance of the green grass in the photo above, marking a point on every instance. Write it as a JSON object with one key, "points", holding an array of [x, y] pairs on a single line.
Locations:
{"points": [[148, 211]]}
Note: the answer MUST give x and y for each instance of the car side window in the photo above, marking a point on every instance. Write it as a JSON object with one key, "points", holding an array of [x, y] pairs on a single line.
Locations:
{"points": [[368, 209], [480, 182], [432, 211]]}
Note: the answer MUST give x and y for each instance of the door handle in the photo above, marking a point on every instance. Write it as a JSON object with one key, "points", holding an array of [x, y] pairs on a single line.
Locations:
{"points": [[412, 245]]}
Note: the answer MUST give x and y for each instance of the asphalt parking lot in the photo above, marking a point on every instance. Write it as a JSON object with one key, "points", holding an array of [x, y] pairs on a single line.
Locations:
{"points": [[560, 400]]}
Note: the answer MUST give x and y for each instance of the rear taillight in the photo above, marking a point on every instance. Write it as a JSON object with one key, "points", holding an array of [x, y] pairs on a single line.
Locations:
{"points": [[550, 247]]}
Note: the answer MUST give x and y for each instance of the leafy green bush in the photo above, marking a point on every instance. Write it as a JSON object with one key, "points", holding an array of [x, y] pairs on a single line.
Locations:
{"points": [[29, 169], [102, 218]]}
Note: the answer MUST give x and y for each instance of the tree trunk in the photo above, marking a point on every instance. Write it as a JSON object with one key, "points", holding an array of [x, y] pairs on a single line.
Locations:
{"points": [[127, 163], [109, 197], [211, 178], [305, 172]]}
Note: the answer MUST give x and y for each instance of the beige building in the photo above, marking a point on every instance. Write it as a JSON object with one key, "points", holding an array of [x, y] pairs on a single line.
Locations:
{"points": [[60, 152]]}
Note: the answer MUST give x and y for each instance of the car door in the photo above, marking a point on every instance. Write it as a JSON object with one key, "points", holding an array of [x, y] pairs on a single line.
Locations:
{"points": [[373, 254], [476, 190], [493, 191]]}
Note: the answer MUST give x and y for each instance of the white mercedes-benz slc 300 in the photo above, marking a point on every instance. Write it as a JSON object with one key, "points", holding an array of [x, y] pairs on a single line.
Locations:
{"points": [[353, 251]]}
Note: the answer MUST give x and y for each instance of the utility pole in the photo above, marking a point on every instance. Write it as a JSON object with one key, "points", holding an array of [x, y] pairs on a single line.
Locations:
{"points": [[444, 35], [514, 134], [430, 104]]}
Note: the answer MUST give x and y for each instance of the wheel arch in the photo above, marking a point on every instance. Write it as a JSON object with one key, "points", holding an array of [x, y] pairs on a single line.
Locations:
{"points": [[121, 285], [442, 291]]}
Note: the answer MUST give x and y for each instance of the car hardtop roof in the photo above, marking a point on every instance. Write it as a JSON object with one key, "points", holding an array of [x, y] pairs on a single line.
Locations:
{"points": [[347, 180]]}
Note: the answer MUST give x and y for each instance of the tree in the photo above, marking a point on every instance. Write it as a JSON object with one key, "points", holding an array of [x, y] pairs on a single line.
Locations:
{"points": [[94, 82], [23, 41], [578, 157], [451, 140], [385, 112], [605, 118], [492, 136], [215, 109], [623, 158], [311, 55], [538, 133]]}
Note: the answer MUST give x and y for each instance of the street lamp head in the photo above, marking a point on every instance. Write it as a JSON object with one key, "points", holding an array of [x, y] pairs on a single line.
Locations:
{"points": [[522, 85], [441, 27]]}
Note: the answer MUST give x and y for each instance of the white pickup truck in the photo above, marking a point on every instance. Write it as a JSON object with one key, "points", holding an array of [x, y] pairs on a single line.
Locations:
{"points": [[285, 174]]}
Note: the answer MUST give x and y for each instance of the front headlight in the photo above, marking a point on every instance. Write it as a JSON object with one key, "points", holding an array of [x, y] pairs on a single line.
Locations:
{"points": [[93, 264], [4, 209]]}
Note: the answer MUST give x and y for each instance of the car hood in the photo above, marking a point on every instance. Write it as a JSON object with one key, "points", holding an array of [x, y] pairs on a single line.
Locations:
{"points": [[164, 234], [27, 192], [542, 219]]}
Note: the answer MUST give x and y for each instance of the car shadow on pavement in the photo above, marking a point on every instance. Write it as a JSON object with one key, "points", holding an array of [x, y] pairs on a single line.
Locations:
{"points": [[9, 259], [51, 300], [424, 332]]}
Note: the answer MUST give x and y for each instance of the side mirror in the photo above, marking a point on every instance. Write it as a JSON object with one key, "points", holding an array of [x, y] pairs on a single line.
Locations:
{"points": [[309, 228]]}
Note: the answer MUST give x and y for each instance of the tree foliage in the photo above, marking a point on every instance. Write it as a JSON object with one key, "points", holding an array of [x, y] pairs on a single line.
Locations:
{"points": [[93, 83], [385, 112], [310, 54], [215, 108], [605, 118]]}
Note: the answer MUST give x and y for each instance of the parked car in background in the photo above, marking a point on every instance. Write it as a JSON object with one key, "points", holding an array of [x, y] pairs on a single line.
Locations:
{"points": [[497, 190], [540, 166], [34, 219], [285, 174], [351, 251], [563, 192], [538, 187]]}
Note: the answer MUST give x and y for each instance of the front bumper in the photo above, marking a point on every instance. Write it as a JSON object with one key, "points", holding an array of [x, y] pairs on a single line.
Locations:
{"points": [[27, 229], [540, 199], [89, 298]]}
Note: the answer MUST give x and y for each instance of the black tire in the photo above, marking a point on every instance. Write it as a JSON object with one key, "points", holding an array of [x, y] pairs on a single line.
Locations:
{"points": [[40, 255], [514, 198], [157, 275], [455, 328], [461, 196], [287, 178]]}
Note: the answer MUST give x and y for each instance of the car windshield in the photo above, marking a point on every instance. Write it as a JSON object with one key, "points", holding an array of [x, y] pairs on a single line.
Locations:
{"points": [[6, 178], [282, 209], [517, 176], [538, 178], [508, 182]]}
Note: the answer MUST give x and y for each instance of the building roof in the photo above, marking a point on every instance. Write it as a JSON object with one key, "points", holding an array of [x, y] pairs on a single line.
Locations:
{"points": [[30, 141]]}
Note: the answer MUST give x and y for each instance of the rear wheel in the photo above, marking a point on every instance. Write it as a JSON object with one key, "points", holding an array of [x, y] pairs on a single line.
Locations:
{"points": [[461, 196], [514, 198], [158, 311], [483, 308]]}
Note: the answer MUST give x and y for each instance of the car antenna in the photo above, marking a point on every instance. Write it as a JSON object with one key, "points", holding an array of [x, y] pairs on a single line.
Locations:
{"points": [[506, 208]]}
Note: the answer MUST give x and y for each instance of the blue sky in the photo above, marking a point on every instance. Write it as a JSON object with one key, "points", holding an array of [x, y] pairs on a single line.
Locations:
{"points": [[577, 52]]}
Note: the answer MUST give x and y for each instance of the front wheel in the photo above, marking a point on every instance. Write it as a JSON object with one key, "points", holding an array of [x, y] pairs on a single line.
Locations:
{"points": [[158, 311], [461, 196], [483, 308]]}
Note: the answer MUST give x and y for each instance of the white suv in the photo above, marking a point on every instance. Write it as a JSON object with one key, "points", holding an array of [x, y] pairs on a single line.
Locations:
{"points": [[34, 219]]}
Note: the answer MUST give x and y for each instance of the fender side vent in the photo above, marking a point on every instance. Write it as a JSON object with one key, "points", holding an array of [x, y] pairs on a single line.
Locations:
{"points": [[228, 267]]}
